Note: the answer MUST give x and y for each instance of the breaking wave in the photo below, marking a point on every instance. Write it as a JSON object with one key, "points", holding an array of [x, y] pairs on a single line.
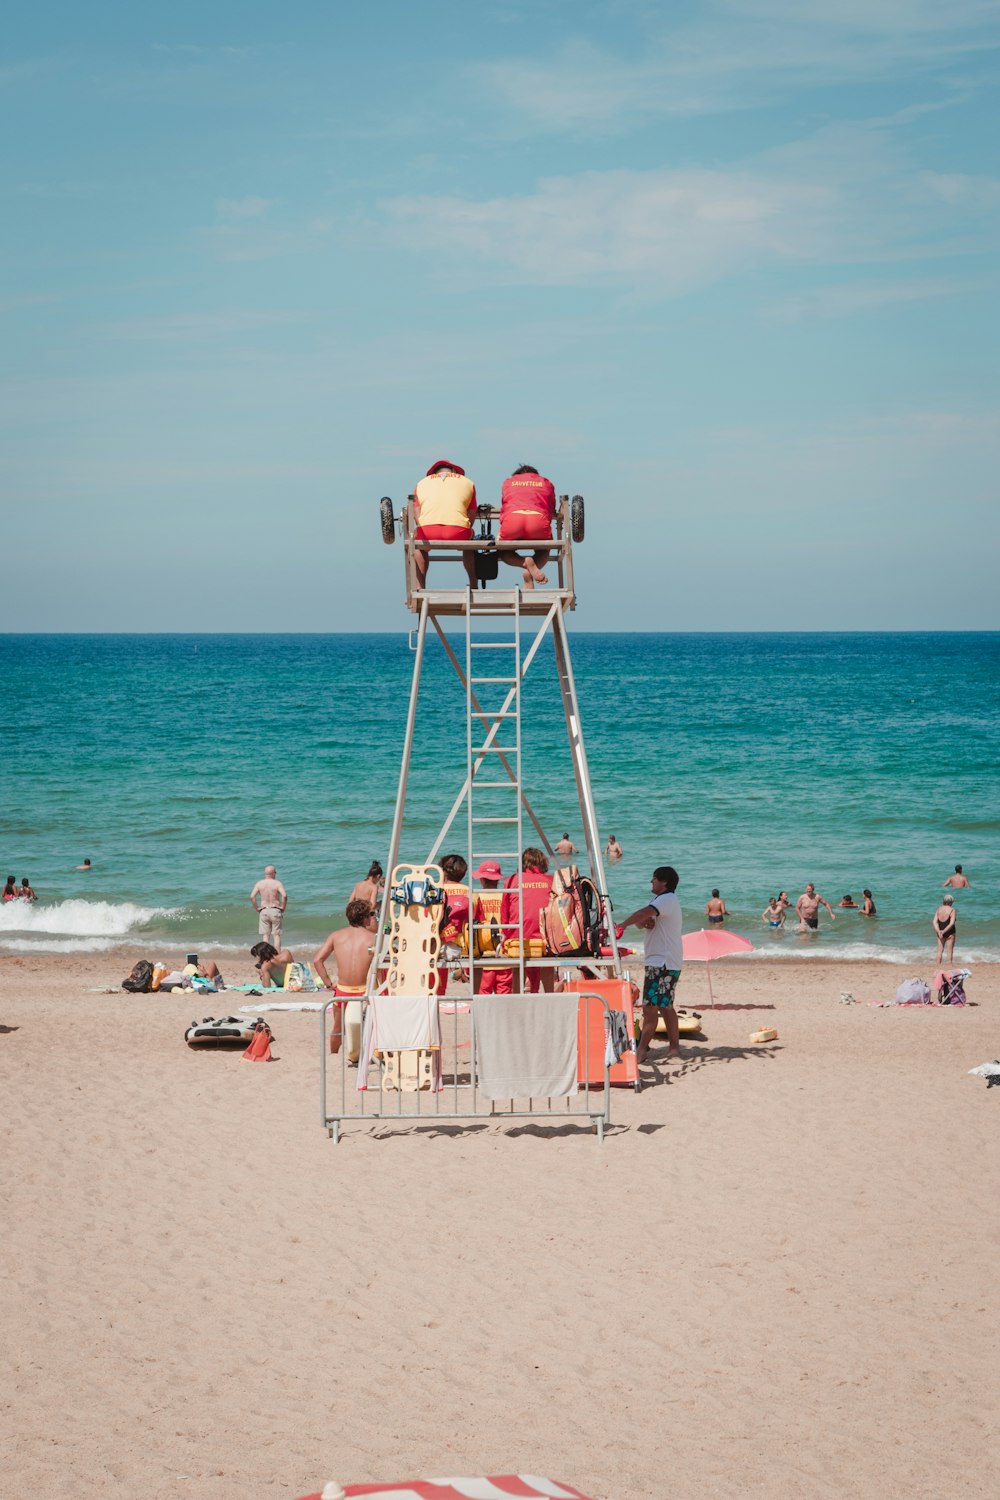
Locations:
{"points": [[80, 919]]}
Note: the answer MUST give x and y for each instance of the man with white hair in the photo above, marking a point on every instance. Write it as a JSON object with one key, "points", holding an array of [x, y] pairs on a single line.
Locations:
{"points": [[269, 899]]}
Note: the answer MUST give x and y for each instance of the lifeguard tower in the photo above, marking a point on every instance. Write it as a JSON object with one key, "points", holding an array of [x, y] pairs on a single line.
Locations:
{"points": [[502, 631], [492, 637]]}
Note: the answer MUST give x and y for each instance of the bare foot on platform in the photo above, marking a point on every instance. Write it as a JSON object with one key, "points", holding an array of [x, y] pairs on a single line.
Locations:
{"points": [[529, 581], [530, 566]]}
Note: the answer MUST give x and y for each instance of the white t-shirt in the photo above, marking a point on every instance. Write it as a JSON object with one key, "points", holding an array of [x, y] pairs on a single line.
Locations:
{"points": [[663, 944]]}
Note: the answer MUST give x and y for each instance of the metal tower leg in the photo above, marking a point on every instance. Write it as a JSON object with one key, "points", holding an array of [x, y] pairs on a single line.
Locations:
{"points": [[404, 776], [574, 730]]}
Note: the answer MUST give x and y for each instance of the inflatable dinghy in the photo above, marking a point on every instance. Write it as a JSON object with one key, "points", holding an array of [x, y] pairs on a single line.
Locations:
{"points": [[226, 1031]]}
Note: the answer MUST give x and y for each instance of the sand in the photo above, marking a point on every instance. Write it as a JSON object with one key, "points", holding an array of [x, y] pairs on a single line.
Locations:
{"points": [[775, 1278]]}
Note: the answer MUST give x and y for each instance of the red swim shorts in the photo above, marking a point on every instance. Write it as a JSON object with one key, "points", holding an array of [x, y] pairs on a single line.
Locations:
{"points": [[444, 533], [525, 526]]}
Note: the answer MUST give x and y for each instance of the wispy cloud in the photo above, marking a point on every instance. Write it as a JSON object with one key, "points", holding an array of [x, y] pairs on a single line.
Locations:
{"points": [[848, 299], [242, 208], [28, 299], [735, 53], [197, 328], [245, 230], [847, 195]]}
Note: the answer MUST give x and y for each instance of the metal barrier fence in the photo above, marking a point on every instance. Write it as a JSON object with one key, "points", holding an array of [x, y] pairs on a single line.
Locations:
{"points": [[459, 1096]]}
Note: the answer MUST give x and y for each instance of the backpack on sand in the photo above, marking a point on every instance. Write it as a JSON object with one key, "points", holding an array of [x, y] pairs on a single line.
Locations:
{"points": [[140, 979], [570, 922]]}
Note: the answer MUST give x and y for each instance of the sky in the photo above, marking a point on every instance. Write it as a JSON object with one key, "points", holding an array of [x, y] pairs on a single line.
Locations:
{"points": [[726, 268]]}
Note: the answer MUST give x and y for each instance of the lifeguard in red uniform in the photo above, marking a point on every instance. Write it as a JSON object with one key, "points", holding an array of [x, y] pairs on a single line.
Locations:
{"points": [[529, 889], [527, 508], [455, 914], [444, 504]]}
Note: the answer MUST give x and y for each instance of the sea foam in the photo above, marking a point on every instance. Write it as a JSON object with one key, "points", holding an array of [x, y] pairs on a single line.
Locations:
{"points": [[85, 919]]}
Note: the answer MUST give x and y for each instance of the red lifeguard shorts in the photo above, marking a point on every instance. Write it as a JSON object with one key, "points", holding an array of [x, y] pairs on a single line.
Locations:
{"points": [[525, 526], [444, 534]]}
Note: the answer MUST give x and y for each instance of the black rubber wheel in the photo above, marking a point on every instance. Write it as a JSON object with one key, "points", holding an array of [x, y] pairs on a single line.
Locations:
{"points": [[387, 520], [576, 518]]}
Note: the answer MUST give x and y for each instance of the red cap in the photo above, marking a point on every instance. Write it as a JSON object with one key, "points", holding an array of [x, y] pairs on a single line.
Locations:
{"points": [[488, 870], [443, 463]]}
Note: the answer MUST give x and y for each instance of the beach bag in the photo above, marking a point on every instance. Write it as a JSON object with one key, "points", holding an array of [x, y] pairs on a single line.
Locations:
{"points": [[570, 922], [140, 979], [913, 992]]}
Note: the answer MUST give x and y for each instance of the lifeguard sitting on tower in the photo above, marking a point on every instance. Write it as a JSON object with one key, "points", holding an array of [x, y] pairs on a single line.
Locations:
{"points": [[444, 507], [527, 509]]}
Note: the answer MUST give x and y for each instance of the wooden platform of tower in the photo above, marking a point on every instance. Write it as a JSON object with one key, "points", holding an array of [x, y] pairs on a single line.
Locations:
{"points": [[502, 631]]}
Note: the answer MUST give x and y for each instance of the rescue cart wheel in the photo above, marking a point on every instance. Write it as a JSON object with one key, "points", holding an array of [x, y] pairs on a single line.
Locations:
{"points": [[576, 518], [387, 520]]}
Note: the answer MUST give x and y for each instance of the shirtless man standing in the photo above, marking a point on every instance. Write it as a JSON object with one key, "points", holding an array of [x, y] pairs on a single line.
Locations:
{"points": [[715, 909], [566, 845], [269, 899], [351, 946], [613, 850], [958, 880], [808, 906]]}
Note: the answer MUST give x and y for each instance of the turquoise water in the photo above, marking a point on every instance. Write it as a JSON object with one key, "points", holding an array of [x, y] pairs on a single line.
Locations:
{"points": [[182, 764]]}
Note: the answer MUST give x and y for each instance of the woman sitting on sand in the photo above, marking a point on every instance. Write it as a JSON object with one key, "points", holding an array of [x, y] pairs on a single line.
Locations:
{"points": [[271, 964]]}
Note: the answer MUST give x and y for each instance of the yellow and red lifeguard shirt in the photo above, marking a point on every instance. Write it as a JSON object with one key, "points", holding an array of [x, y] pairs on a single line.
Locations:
{"points": [[528, 495], [487, 909], [456, 916], [446, 499]]}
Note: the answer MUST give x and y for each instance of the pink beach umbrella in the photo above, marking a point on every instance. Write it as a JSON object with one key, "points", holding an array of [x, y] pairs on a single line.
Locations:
{"points": [[712, 942], [499, 1487]]}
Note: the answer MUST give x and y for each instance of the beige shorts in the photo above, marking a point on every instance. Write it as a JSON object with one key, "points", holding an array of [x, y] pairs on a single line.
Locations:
{"points": [[271, 918]]}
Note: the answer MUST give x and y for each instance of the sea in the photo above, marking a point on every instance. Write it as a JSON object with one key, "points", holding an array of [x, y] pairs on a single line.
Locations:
{"points": [[181, 765]]}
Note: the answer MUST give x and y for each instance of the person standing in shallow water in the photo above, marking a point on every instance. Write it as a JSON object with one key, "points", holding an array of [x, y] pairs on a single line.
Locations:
{"points": [[958, 881], [944, 930], [808, 906], [269, 900], [715, 909], [370, 889]]}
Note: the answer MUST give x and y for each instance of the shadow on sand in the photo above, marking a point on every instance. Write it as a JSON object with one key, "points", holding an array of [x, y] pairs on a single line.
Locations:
{"points": [[664, 1072]]}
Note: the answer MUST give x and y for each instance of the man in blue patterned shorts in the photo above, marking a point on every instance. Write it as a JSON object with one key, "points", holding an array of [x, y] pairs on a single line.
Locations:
{"points": [[661, 917]]}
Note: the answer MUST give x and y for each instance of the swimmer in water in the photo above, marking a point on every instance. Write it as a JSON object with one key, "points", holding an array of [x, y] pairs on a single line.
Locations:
{"points": [[773, 913], [715, 909]]}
